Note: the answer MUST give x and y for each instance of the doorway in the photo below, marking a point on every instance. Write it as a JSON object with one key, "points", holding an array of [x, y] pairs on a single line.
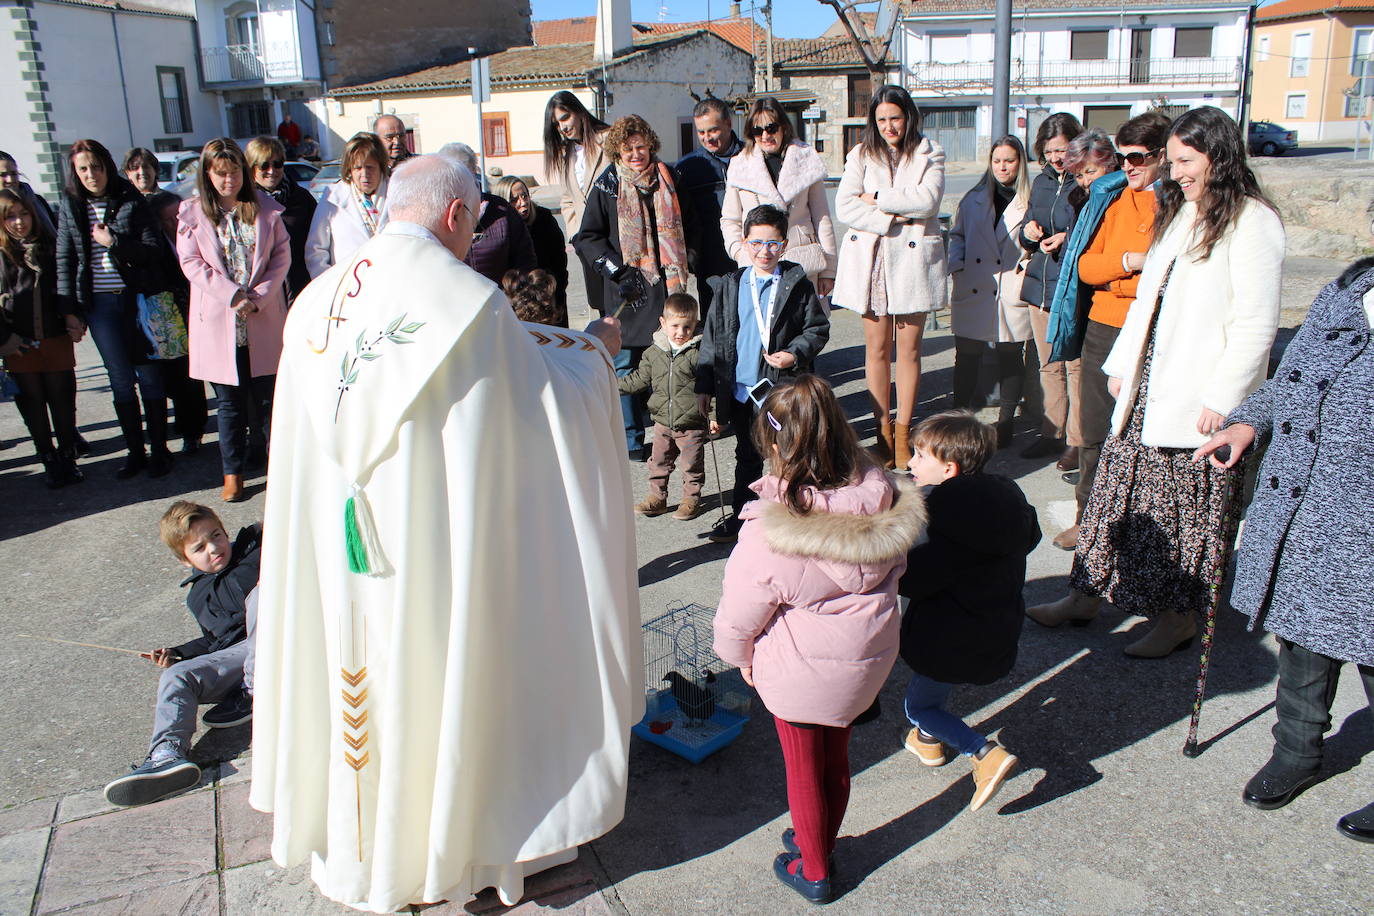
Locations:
{"points": [[1140, 55]]}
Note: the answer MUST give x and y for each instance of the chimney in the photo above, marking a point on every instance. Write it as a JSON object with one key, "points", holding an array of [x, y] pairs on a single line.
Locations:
{"points": [[614, 34], [734, 10]]}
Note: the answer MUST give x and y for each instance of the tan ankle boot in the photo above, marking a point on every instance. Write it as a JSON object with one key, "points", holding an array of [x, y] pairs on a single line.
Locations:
{"points": [[1172, 631], [1077, 608], [882, 446], [901, 446], [233, 489]]}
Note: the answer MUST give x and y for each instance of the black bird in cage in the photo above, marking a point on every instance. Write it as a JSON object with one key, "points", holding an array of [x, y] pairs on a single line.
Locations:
{"points": [[697, 701]]}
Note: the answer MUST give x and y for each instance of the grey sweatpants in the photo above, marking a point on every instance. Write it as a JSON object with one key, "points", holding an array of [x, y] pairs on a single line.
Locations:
{"points": [[209, 678]]}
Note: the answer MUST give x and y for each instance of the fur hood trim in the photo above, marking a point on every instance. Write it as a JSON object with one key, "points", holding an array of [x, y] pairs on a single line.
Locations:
{"points": [[843, 537], [801, 168], [663, 343]]}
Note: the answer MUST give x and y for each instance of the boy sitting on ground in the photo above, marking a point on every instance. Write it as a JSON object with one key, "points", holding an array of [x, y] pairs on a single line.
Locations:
{"points": [[214, 668]]}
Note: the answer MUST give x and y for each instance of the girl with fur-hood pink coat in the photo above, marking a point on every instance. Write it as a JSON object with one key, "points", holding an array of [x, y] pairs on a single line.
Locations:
{"points": [[775, 168], [809, 606]]}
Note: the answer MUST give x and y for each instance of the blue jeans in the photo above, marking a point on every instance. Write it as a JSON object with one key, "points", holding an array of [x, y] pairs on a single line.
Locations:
{"points": [[238, 406], [925, 708], [113, 329], [632, 406]]}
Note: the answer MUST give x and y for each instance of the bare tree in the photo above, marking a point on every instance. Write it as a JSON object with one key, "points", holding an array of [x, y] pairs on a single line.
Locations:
{"points": [[873, 45]]}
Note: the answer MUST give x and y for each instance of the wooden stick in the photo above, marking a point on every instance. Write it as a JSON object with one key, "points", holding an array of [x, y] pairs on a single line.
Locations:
{"points": [[87, 645]]}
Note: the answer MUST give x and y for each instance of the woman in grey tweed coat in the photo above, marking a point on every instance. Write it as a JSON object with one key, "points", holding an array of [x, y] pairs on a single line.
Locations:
{"points": [[1305, 567]]}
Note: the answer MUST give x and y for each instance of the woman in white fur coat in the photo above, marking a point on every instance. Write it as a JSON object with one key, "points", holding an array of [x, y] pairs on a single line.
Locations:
{"points": [[891, 267], [353, 209], [778, 169]]}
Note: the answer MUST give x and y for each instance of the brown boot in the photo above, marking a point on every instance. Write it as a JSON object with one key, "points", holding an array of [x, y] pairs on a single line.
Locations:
{"points": [[929, 750], [1077, 608], [652, 505], [901, 446], [882, 445], [1172, 631], [688, 509], [233, 489], [991, 766]]}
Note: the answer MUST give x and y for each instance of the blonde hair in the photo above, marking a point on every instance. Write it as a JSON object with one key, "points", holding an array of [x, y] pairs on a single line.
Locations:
{"points": [[263, 149], [177, 521], [957, 436]]}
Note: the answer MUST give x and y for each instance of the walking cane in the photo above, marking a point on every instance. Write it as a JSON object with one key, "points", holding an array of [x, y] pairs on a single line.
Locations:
{"points": [[715, 462]]}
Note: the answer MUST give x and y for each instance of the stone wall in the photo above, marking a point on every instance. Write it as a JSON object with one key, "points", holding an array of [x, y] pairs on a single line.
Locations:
{"points": [[1323, 203]]}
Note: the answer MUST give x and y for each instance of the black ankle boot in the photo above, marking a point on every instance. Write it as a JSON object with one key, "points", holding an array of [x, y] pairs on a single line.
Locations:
{"points": [[131, 425], [52, 470], [155, 410]]}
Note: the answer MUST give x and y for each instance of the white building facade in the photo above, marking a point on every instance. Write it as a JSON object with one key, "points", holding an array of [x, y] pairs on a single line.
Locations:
{"points": [[1103, 62], [123, 74]]}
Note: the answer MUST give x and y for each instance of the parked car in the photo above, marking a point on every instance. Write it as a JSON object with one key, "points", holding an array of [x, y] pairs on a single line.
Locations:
{"points": [[328, 173], [172, 167], [301, 173], [1269, 139]]}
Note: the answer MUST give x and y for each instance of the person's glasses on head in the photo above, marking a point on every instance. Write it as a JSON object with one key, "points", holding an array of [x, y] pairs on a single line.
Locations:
{"points": [[772, 246], [1138, 159], [758, 130]]}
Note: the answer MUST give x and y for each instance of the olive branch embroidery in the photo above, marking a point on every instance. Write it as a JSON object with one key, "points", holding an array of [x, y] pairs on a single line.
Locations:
{"points": [[366, 350]]}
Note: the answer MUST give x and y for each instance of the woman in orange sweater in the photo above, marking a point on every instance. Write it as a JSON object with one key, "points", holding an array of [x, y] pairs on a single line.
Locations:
{"points": [[1111, 266]]}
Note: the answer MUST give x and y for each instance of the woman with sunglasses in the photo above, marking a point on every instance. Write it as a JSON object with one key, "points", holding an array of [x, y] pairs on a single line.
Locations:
{"points": [[1158, 527], [778, 169], [891, 266], [267, 162]]}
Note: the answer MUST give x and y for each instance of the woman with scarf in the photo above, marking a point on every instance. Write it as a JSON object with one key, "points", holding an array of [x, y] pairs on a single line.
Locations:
{"points": [[267, 162], [778, 169], [891, 266], [36, 337], [985, 262], [353, 209], [636, 233], [236, 253]]}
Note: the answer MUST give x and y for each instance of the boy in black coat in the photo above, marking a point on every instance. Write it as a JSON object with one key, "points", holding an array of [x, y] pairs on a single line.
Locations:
{"points": [[216, 667], [964, 586], [739, 361]]}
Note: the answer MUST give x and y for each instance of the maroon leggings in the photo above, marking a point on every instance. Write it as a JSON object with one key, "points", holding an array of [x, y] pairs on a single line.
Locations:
{"points": [[817, 762]]}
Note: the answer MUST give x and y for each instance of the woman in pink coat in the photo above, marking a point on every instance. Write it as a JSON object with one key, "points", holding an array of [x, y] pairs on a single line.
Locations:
{"points": [[235, 251], [809, 609]]}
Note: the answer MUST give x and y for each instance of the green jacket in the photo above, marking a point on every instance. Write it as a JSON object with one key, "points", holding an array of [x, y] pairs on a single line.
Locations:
{"points": [[671, 381]]}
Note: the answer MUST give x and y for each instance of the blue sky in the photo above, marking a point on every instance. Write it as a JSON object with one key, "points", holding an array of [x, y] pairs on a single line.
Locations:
{"points": [[791, 18]]}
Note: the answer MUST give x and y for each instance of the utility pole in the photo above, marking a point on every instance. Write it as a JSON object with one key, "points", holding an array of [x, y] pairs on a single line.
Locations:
{"points": [[768, 46], [1001, 70]]}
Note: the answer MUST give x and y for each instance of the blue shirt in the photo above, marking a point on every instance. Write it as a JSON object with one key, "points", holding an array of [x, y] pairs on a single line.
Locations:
{"points": [[748, 342]]}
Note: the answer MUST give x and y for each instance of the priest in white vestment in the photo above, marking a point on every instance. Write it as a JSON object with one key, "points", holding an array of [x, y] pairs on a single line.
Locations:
{"points": [[448, 650]]}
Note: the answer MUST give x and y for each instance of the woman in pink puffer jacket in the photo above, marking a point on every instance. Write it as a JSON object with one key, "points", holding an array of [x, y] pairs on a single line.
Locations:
{"points": [[809, 609]]}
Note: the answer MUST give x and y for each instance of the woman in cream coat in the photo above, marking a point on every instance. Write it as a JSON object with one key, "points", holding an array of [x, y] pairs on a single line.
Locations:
{"points": [[1158, 528], [891, 266], [574, 158], [776, 168], [353, 209], [985, 260]]}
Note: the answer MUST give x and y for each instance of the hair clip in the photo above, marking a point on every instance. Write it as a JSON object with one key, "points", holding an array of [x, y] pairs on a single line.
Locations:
{"points": [[773, 421]]}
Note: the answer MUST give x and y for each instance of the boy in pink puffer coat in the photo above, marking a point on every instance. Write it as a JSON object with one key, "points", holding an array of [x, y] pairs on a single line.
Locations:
{"points": [[809, 607]]}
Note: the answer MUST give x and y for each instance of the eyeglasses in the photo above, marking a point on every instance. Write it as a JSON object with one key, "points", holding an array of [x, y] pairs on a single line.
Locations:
{"points": [[772, 246], [758, 130], [1138, 159], [270, 164]]}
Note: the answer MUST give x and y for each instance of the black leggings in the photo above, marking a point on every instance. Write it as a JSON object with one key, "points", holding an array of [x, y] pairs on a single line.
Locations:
{"points": [[1011, 372], [45, 395]]}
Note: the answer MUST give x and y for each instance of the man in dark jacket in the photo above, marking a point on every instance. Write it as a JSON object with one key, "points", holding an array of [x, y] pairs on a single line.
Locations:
{"points": [[216, 667], [964, 585], [701, 177]]}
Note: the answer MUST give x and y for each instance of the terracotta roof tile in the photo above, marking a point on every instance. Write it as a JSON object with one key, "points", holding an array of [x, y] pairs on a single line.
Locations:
{"points": [[554, 64], [802, 53], [737, 31], [917, 8], [1296, 9]]}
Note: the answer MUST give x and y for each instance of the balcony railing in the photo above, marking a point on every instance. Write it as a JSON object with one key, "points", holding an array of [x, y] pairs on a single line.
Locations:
{"points": [[273, 63], [1030, 75]]}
